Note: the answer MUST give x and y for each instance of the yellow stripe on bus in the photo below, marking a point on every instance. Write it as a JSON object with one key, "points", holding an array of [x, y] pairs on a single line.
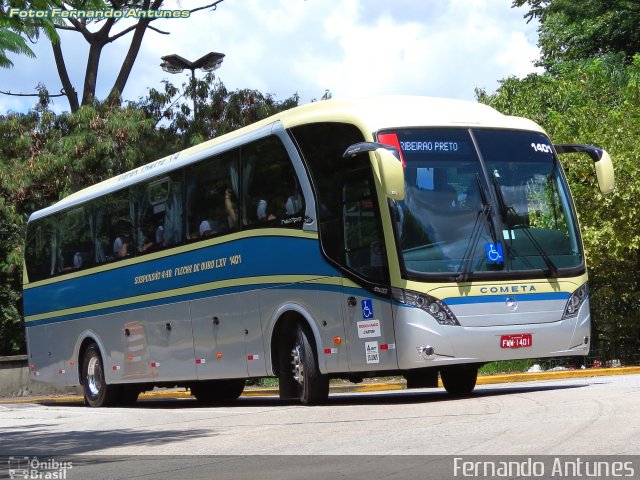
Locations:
{"points": [[236, 282], [262, 232]]}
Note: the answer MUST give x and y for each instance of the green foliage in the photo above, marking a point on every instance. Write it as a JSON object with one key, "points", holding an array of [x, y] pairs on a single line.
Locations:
{"points": [[219, 111], [16, 31], [11, 326], [571, 30], [45, 156], [506, 366], [595, 102]]}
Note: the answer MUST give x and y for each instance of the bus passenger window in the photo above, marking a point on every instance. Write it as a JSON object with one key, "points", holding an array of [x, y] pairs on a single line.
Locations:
{"points": [[39, 248], [75, 248], [113, 227], [158, 207], [212, 192], [272, 196]]}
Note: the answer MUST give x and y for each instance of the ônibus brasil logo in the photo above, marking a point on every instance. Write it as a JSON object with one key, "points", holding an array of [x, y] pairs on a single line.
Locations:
{"points": [[32, 468]]}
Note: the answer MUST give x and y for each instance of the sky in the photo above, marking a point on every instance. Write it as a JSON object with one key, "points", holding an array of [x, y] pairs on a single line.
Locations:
{"points": [[442, 48]]}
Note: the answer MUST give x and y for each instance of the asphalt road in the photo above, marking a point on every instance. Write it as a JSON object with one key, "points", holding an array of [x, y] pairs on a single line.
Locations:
{"points": [[580, 416]]}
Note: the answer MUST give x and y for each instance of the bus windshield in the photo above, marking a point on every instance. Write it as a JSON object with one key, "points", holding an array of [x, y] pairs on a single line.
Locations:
{"points": [[480, 200]]}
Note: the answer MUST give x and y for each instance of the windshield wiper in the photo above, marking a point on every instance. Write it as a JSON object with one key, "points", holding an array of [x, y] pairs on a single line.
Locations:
{"points": [[467, 259], [504, 211]]}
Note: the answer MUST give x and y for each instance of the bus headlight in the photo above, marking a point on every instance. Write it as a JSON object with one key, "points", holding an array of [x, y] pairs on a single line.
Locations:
{"points": [[575, 302], [434, 307]]}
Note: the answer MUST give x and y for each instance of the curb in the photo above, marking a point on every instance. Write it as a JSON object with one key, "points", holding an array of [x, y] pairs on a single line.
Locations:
{"points": [[358, 388]]}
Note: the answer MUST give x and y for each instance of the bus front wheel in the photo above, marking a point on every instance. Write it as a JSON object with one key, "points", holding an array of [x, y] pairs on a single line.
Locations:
{"points": [[459, 380], [96, 391], [312, 387]]}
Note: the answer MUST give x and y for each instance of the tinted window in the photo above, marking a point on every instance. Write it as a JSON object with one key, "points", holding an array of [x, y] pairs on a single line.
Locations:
{"points": [[348, 214], [159, 213], [212, 196], [271, 192], [39, 251], [113, 222], [75, 244]]}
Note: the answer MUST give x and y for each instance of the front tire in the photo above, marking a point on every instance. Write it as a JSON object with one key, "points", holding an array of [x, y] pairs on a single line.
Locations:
{"points": [[459, 381], [96, 391], [311, 386]]}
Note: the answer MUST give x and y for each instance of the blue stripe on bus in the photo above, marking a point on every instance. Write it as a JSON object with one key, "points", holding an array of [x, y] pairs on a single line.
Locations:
{"points": [[195, 296], [261, 256], [520, 297]]}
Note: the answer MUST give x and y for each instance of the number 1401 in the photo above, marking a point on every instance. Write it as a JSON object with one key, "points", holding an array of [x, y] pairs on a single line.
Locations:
{"points": [[541, 147]]}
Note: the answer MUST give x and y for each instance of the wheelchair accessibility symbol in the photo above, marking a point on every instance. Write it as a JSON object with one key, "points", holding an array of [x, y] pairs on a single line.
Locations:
{"points": [[367, 308], [493, 252]]}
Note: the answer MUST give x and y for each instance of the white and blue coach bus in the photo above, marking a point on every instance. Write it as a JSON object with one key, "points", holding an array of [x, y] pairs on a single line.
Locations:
{"points": [[397, 235]]}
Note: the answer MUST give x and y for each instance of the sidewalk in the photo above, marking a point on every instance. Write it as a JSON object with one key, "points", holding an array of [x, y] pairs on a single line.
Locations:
{"points": [[354, 388]]}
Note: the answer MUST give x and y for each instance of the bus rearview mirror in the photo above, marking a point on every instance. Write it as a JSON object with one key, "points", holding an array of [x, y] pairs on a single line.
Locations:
{"points": [[604, 172], [601, 160], [388, 166], [391, 174]]}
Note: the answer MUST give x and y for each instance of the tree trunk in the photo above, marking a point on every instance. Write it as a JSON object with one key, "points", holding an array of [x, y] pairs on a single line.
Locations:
{"points": [[91, 75], [127, 65], [96, 41], [69, 91]]}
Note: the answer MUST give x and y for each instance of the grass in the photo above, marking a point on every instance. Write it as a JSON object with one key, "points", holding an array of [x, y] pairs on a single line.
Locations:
{"points": [[506, 366], [493, 368]]}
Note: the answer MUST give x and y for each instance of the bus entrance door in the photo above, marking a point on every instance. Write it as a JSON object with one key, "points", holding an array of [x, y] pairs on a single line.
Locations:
{"points": [[370, 334], [369, 321]]}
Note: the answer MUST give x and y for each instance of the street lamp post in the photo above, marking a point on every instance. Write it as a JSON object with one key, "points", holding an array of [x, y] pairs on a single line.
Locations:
{"points": [[176, 64]]}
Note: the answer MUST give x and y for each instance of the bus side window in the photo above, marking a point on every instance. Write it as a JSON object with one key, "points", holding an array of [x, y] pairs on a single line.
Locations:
{"points": [[364, 247], [39, 248], [212, 193], [113, 227], [272, 195], [75, 243], [158, 213]]}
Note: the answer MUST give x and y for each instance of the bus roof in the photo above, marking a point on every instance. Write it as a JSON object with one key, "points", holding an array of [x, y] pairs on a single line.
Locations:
{"points": [[370, 114]]}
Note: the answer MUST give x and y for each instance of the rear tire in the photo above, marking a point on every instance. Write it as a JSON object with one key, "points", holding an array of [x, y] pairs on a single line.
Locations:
{"points": [[96, 391], [312, 387], [218, 391], [459, 381]]}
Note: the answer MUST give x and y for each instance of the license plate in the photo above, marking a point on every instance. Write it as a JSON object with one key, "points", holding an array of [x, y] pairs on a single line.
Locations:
{"points": [[523, 340]]}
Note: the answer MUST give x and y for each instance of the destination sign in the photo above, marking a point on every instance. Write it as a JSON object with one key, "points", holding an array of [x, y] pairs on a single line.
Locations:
{"points": [[435, 142], [431, 146]]}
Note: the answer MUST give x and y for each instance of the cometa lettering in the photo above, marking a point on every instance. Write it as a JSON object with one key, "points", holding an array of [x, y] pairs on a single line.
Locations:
{"points": [[509, 289]]}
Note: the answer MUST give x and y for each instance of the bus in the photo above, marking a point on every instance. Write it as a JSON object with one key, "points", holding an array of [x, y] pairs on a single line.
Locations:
{"points": [[410, 236]]}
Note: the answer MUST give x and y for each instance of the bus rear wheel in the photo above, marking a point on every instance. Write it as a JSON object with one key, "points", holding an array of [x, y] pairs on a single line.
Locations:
{"points": [[459, 381], [96, 391], [312, 387], [218, 391]]}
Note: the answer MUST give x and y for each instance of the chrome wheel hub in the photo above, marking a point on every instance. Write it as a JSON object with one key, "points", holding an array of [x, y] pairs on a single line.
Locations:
{"points": [[298, 367], [94, 384]]}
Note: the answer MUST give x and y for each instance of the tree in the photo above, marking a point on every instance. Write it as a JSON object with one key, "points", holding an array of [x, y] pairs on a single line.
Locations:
{"points": [[97, 33], [574, 30], [219, 110], [596, 102], [45, 156], [13, 30]]}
